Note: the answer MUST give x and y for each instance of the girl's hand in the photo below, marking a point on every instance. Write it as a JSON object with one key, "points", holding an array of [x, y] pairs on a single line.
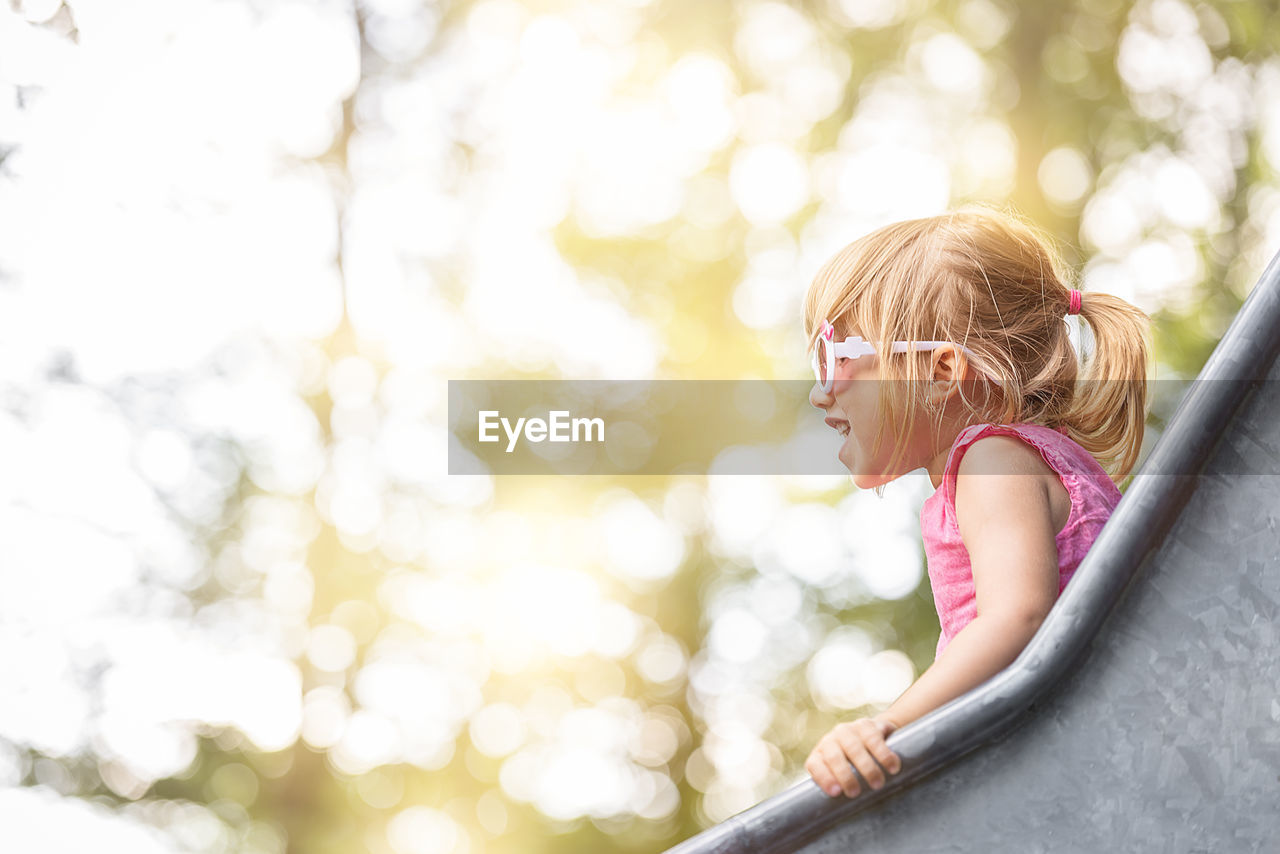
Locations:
{"points": [[853, 742]]}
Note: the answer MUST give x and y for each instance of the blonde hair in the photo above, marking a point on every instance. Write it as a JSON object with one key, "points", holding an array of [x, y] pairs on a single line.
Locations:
{"points": [[987, 279]]}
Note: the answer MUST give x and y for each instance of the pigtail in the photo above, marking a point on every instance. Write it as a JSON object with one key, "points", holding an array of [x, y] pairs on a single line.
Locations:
{"points": [[1108, 413]]}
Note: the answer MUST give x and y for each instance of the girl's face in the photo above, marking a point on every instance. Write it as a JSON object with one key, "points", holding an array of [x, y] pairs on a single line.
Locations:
{"points": [[853, 409]]}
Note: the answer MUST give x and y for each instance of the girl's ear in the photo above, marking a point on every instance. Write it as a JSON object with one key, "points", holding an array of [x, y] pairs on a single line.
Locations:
{"points": [[948, 367]]}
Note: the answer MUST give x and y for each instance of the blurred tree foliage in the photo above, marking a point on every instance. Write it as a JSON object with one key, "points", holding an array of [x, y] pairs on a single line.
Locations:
{"points": [[1058, 62]]}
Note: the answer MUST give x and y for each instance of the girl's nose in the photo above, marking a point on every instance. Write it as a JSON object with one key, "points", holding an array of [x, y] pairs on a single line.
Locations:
{"points": [[819, 398]]}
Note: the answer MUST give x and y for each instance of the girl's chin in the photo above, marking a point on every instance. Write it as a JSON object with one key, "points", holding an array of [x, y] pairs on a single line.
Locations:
{"points": [[864, 481], [859, 476]]}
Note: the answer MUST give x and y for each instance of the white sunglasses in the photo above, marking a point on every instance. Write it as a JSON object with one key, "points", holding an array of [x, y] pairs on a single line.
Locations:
{"points": [[826, 350]]}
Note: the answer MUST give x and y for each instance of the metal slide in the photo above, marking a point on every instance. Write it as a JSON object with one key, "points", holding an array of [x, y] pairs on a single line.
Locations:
{"points": [[1145, 714]]}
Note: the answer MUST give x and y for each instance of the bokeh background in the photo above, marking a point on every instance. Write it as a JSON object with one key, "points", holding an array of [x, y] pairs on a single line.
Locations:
{"points": [[244, 245]]}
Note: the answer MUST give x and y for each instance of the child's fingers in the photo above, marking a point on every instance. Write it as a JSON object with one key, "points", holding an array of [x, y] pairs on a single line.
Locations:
{"points": [[821, 774], [886, 757], [854, 739], [874, 739], [838, 765]]}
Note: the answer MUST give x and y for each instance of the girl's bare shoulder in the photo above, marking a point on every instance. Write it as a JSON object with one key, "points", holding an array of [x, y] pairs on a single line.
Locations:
{"points": [[1008, 456], [1003, 454]]}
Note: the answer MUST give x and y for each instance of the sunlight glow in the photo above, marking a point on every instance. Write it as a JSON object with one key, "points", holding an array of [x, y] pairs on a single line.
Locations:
{"points": [[245, 245], [769, 182]]}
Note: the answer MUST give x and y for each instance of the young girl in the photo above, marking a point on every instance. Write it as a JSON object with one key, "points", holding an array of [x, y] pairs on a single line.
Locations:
{"points": [[959, 320]]}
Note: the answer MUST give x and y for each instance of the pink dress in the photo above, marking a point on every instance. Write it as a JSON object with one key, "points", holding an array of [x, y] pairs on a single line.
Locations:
{"points": [[1093, 496]]}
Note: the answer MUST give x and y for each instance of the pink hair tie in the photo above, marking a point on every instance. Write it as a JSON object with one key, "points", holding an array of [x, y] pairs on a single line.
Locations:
{"points": [[1074, 308]]}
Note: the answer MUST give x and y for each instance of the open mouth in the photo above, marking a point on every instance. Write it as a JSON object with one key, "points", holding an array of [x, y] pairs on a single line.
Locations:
{"points": [[839, 425]]}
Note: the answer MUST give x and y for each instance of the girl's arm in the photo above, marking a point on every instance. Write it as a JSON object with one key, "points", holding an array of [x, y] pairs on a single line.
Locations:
{"points": [[1004, 515]]}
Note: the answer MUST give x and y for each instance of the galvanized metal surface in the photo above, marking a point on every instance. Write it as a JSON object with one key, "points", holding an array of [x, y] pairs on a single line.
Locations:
{"points": [[1145, 714]]}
